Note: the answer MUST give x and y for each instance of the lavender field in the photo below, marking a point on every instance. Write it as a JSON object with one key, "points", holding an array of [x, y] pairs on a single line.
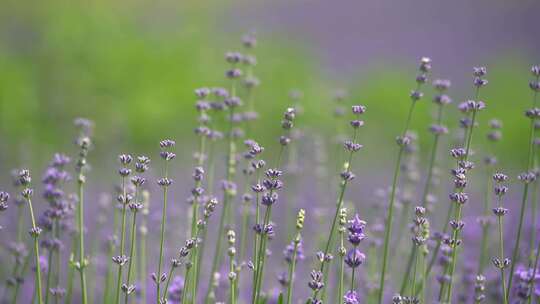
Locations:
{"points": [[249, 178]]}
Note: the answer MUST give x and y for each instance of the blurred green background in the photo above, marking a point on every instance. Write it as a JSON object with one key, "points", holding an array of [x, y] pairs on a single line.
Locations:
{"points": [[132, 66]]}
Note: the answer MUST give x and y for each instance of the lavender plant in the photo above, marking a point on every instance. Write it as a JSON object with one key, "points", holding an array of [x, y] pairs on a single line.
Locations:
{"points": [[402, 141], [164, 182], [350, 146], [296, 253], [533, 114], [460, 182]]}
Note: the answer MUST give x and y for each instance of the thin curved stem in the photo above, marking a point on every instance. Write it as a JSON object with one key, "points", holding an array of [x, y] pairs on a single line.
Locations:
{"points": [[162, 237], [36, 253], [388, 229], [456, 233], [523, 199], [501, 255], [122, 241]]}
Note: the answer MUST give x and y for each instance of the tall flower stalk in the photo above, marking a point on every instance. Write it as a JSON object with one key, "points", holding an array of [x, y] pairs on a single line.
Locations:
{"points": [[501, 262], [463, 166], [419, 239], [53, 219], [351, 146], [354, 257], [143, 232], [35, 231], [467, 124], [141, 166], [164, 182], [342, 251], [533, 114], [402, 141], [125, 199], [231, 252], [437, 129], [489, 161], [292, 261], [271, 184], [232, 102], [82, 264]]}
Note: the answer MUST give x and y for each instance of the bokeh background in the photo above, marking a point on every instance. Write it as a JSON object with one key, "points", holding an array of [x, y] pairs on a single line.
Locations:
{"points": [[132, 66]]}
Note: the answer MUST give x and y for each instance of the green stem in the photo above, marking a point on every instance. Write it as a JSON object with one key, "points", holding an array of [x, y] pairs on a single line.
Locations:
{"points": [[142, 261], [523, 199], [259, 268], [49, 271], [424, 279], [339, 205], [224, 211], [407, 273], [535, 267], [71, 271], [501, 255], [439, 242], [122, 241], [169, 278], [388, 229], [36, 253], [232, 289], [413, 286], [534, 204], [485, 228], [132, 249], [459, 213], [341, 275], [292, 268], [110, 253], [82, 260], [17, 284], [162, 236]]}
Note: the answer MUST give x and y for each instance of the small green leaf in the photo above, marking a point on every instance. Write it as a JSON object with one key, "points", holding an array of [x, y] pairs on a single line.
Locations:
{"points": [[280, 298]]}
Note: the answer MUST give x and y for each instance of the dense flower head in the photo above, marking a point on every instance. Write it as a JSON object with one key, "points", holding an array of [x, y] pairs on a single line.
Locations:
{"points": [[458, 153], [202, 92], [527, 177], [425, 64], [535, 70], [316, 282], [167, 143], [351, 297], [442, 99], [358, 109], [441, 85], [288, 252], [4, 197], [354, 258]]}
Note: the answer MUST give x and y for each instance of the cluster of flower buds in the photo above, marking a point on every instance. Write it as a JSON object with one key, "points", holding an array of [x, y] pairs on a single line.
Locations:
{"points": [[356, 235], [479, 288], [478, 73], [535, 84], [421, 78], [525, 279], [231, 252], [287, 124], [316, 282], [351, 297], [84, 143], [4, 197], [342, 229], [420, 228]]}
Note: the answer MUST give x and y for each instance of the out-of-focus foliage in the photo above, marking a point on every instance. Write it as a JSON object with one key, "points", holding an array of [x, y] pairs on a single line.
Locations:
{"points": [[132, 68]]}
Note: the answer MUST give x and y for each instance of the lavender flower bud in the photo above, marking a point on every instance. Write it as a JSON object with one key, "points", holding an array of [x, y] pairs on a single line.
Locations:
{"points": [[354, 258], [167, 143]]}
